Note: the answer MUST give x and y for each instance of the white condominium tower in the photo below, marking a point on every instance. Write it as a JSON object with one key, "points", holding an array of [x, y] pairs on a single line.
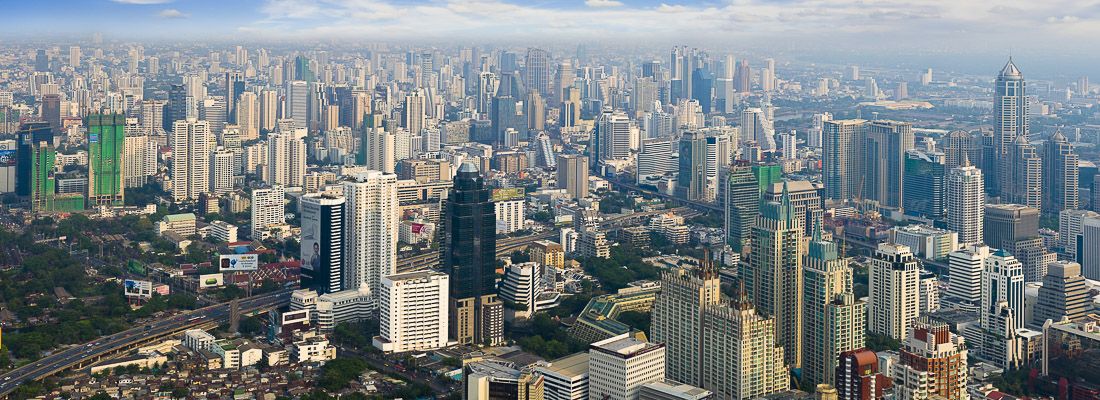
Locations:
{"points": [[371, 220], [894, 297], [965, 201], [191, 145]]}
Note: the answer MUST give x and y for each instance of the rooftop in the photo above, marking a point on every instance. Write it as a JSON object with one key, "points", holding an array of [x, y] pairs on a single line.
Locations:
{"points": [[571, 365]]}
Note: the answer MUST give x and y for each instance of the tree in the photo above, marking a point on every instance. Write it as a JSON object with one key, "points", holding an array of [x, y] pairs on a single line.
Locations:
{"points": [[337, 373]]}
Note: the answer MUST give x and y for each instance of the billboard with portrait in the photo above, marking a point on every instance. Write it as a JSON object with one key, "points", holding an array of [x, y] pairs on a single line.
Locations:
{"points": [[137, 289]]}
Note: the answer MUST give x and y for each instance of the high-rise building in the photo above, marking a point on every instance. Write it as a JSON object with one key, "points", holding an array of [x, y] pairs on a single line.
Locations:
{"points": [[234, 87], [222, 170], [323, 242], [964, 189], [678, 320], [1002, 282], [566, 378], [833, 320], [51, 111], [269, 110], [297, 103], [176, 109], [190, 142], [773, 276], [842, 161], [691, 182], [965, 273], [1022, 175], [884, 152], [414, 117], [742, 202], [1010, 120], [756, 126], [742, 80], [247, 115], [1063, 295], [380, 148], [371, 216], [857, 376], [573, 175], [520, 287], [805, 198], [106, 144], [286, 159], [620, 365], [960, 147], [1089, 248], [33, 137], [615, 135], [469, 257], [413, 312], [1070, 227], [894, 291], [923, 186], [741, 359], [536, 70], [268, 209], [1007, 223], [1060, 175], [931, 364], [139, 159], [1034, 255]]}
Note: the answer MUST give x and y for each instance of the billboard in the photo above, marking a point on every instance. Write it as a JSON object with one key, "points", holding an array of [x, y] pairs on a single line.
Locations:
{"points": [[138, 289], [7, 158], [210, 281], [238, 262], [505, 194]]}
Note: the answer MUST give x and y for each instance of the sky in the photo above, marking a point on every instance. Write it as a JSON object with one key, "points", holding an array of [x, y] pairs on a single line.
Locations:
{"points": [[1053, 30]]}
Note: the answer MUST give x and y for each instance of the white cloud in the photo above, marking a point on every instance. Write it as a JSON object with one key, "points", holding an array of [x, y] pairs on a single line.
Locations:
{"points": [[142, 1], [172, 13], [603, 3]]}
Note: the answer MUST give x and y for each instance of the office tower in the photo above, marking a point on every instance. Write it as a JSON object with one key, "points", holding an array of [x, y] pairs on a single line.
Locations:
{"points": [[773, 276], [297, 103], [269, 110], [1088, 243], [741, 359], [302, 70], [371, 216], [212, 111], [323, 236], [74, 56], [519, 288], [504, 115], [535, 110], [1063, 295], [414, 118], [1034, 255], [268, 209], [742, 203], [566, 378], [857, 376], [176, 108], [894, 293], [964, 190], [380, 148], [644, 98], [30, 136], [223, 167], [1007, 223], [1060, 175], [563, 80], [757, 127], [37, 158], [248, 115], [490, 380], [234, 87], [571, 108], [1002, 282], [960, 147], [51, 111], [742, 80], [965, 273], [833, 320], [573, 175], [286, 157], [923, 185], [413, 312], [41, 61], [190, 142], [842, 167], [883, 174], [620, 365], [932, 363], [815, 136], [1096, 192], [536, 70], [106, 144], [1010, 120], [1022, 175], [656, 158], [1070, 229], [691, 180], [469, 257], [677, 320], [616, 138]]}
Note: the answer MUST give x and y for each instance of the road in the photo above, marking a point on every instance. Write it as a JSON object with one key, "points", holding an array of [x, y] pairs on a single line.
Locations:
{"points": [[701, 206], [82, 354]]}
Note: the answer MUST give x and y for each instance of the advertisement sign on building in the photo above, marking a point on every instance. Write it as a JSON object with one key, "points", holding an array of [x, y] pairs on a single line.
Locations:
{"points": [[138, 289], [504, 194], [210, 281], [238, 262]]}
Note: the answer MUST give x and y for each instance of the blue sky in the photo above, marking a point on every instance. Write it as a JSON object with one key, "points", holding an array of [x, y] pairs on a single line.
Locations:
{"points": [[1060, 27]]}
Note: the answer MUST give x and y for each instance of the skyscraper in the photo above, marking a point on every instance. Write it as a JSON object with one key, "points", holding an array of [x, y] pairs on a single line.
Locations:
{"points": [[741, 359], [106, 143], [1063, 295], [691, 182], [268, 209], [248, 115], [573, 175], [370, 227], [1021, 181], [773, 276], [1060, 175], [858, 377], [883, 175], [51, 111], [619, 366], [176, 109], [1002, 309], [222, 169], [1010, 120], [536, 70], [234, 87], [297, 103], [1007, 223], [742, 203], [923, 186], [959, 147], [842, 164], [894, 293], [286, 159], [965, 209], [833, 320], [678, 320], [322, 241], [932, 363], [469, 257], [190, 142], [415, 120], [965, 273], [756, 126]]}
